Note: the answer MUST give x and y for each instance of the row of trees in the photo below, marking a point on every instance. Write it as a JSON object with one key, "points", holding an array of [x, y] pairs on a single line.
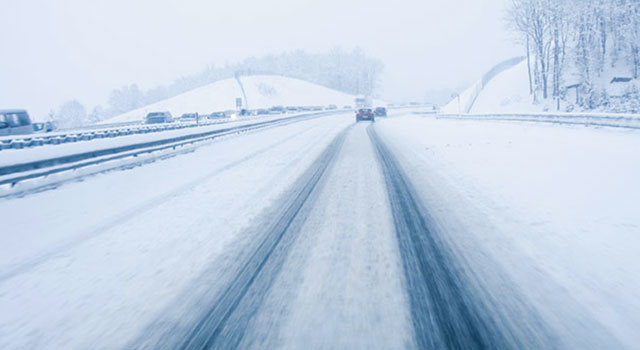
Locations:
{"points": [[348, 71], [351, 72], [577, 42]]}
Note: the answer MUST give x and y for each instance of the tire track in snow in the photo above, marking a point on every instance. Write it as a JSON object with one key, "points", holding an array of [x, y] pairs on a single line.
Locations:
{"points": [[223, 324], [445, 310]]}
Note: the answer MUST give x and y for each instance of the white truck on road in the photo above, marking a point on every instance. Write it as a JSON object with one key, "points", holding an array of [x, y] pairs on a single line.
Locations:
{"points": [[363, 101]]}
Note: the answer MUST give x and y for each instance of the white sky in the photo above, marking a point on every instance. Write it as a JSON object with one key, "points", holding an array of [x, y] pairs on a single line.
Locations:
{"points": [[55, 50]]}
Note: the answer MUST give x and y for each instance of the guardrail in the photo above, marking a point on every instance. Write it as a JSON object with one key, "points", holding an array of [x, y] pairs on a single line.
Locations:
{"points": [[13, 174], [628, 121], [103, 131], [101, 126]]}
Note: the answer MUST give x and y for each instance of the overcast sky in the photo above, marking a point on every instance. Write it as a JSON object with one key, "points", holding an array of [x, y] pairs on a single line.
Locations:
{"points": [[55, 50]]}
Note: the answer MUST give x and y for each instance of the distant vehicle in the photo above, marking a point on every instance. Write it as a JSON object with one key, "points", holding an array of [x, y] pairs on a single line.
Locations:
{"points": [[316, 108], [50, 126], [217, 115], [347, 107], [158, 118], [187, 117], [15, 122], [276, 110], [292, 109], [363, 101], [365, 114], [262, 111], [380, 112], [331, 107], [38, 127]]}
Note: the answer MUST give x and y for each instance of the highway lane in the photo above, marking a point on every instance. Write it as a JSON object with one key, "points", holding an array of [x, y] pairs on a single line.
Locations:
{"points": [[448, 309], [342, 285], [110, 154], [106, 254], [309, 236], [351, 260], [457, 169]]}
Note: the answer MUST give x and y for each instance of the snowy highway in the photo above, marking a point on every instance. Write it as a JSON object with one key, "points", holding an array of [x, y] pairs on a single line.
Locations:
{"points": [[410, 232]]}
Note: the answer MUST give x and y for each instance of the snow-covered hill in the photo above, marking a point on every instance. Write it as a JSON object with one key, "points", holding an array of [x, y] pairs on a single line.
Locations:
{"points": [[466, 100], [507, 93], [261, 92]]}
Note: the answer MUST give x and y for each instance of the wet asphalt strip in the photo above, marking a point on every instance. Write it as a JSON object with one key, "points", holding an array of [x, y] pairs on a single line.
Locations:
{"points": [[223, 324], [445, 309]]}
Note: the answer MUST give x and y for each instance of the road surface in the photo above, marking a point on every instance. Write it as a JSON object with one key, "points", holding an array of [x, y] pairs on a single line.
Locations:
{"points": [[322, 233]]}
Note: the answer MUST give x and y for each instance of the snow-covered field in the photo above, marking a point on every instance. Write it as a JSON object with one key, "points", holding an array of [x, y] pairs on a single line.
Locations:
{"points": [[540, 218]]}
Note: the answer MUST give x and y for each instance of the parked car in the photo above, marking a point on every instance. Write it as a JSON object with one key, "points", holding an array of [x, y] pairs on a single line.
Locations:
{"points": [[15, 122], [158, 118], [380, 112], [365, 114]]}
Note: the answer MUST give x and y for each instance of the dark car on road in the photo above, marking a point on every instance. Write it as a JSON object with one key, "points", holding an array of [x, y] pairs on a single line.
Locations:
{"points": [[158, 118], [365, 114], [15, 122], [380, 112]]}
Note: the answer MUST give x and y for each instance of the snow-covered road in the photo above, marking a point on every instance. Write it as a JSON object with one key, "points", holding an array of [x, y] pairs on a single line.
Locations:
{"points": [[413, 232]]}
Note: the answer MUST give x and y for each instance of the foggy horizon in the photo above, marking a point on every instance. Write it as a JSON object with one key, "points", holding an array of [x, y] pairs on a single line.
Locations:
{"points": [[83, 51]]}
